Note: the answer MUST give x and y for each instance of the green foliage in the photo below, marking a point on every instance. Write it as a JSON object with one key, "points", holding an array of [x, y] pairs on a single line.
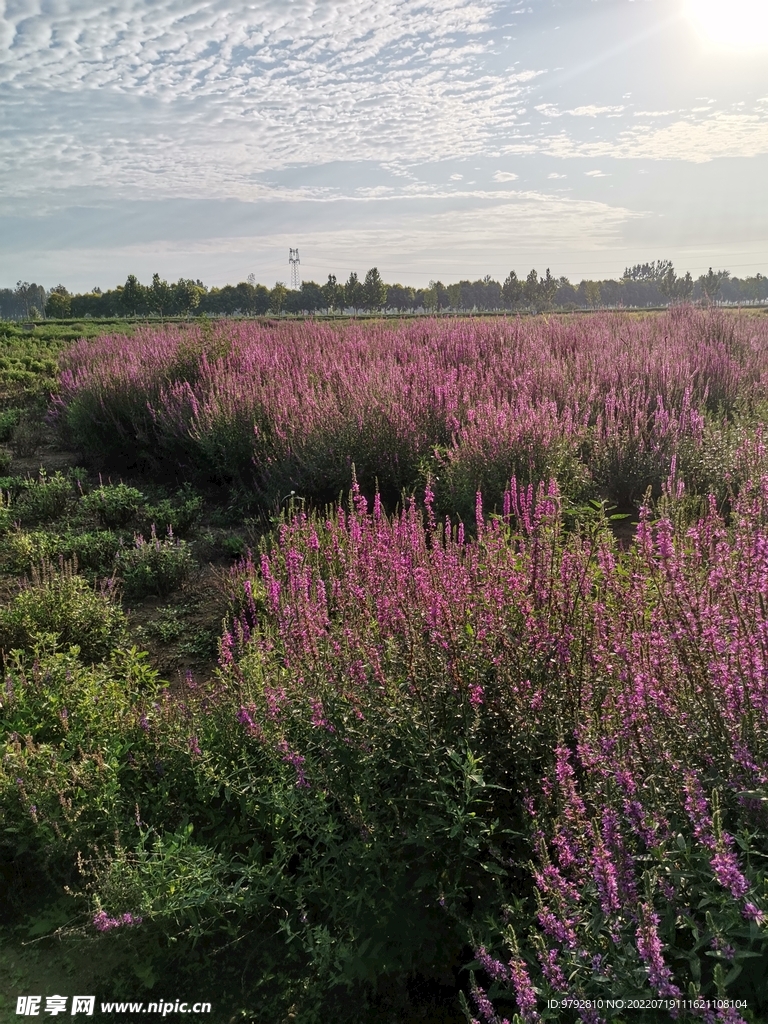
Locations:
{"points": [[233, 546], [8, 420], [178, 514], [5, 462], [113, 505], [154, 566], [94, 551], [28, 434], [67, 728], [6, 514], [43, 499], [59, 604]]}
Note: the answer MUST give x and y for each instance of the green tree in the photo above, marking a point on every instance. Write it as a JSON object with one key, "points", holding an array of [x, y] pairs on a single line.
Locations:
{"points": [[427, 297], [548, 286], [160, 296], [59, 304], [353, 292], [134, 296], [312, 297], [654, 271], [333, 293], [676, 289], [512, 290], [712, 282], [374, 290], [186, 296], [454, 296], [400, 297], [531, 290], [30, 297], [278, 297], [592, 293]]}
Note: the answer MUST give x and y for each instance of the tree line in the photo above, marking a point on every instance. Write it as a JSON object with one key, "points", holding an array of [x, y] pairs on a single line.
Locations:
{"points": [[641, 286]]}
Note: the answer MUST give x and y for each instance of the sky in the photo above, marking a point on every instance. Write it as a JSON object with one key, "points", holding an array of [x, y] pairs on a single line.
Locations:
{"points": [[434, 139]]}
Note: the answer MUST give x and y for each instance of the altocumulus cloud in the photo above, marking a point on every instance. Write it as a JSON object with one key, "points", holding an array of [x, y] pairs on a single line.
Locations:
{"points": [[199, 99]]}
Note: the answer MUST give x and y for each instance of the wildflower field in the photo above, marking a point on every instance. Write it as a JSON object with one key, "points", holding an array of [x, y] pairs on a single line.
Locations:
{"points": [[481, 731]]}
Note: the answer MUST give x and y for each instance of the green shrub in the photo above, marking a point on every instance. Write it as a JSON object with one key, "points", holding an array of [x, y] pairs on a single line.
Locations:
{"points": [[78, 475], [154, 566], [8, 420], [59, 603], [43, 500], [95, 551], [113, 505], [5, 462], [28, 434], [179, 514], [25, 548], [6, 514], [73, 771], [234, 546], [15, 485]]}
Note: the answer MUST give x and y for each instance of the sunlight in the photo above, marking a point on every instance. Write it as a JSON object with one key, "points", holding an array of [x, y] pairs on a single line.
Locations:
{"points": [[733, 24]]}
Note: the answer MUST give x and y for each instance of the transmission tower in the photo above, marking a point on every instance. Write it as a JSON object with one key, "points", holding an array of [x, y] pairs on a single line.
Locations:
{"points": [[293, 259]]}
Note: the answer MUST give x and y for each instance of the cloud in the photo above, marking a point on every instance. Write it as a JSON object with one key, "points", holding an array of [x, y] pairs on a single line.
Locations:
{"points": [[555, 175], [505, 176], [548, 110], [410, 242], [689, 139], [596, 174], [202, 97]]}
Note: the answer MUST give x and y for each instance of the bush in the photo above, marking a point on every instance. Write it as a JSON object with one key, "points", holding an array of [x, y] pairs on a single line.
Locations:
{"points": [[5, 462], [154, 566], [291, 407], [94, 551], [8, 420], [178, 514], [60, 604], [114, 505], [80, 720], [43, 500], [28, 434]]}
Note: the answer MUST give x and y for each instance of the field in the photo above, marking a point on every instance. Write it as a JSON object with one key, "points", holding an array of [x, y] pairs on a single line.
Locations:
{"points": [[389, 672]]}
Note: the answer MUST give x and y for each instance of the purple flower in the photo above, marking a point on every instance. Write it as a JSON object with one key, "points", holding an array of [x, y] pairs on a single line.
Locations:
{"points": [[552, 970], [604, 873], [728, 875], [102, 922], [526, 997], [752, 913], [476, 694], [650, 949], [493, 968]]}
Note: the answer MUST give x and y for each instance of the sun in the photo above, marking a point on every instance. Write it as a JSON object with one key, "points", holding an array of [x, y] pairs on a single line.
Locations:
{"points": [[731, 24]]}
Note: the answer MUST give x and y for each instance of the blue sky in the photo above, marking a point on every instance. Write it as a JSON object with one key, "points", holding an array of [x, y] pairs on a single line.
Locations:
{"points": [[432, 138]]}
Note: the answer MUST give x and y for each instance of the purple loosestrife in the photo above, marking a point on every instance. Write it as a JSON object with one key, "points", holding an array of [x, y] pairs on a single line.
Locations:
{"points": [[291, 406], [552, 971], [634, 682], [651, 953], [102, 922], [495, 969], [524, 993]]}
